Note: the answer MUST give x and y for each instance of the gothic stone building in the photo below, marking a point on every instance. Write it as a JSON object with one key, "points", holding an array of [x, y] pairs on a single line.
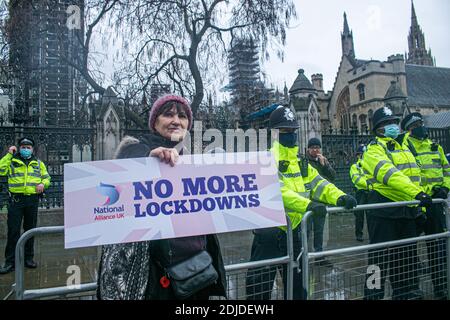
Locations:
{"points": [[362, 86], [305, 98]]}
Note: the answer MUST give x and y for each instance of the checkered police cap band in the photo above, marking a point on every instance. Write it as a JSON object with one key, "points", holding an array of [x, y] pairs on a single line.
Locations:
{"points": [[412, 120], [26, 142]]}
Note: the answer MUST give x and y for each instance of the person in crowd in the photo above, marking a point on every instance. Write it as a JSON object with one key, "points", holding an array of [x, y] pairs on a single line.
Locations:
{"points": [[27, 180], [319, 162], [396, 177], [302, 190], [139, 270], [435, 179]]}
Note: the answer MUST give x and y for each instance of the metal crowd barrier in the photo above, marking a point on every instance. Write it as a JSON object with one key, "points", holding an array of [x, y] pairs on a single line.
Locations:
{"points": [[237, 271], [338, 284], [26, 294]]}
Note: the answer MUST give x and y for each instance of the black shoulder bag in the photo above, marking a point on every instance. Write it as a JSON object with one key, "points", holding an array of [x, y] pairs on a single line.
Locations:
{"points": [[192, 275]]}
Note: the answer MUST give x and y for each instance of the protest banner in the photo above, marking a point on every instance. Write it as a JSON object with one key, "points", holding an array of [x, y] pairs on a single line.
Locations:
{"points": [[128, 200]]}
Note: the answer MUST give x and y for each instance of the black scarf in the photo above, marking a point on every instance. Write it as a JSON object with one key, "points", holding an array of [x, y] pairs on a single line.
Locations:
{"points": [[154, 140]]}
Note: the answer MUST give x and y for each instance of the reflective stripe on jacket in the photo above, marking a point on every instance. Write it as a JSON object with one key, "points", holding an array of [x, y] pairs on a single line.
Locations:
{"points": [[360, 180], [298, 191], [394, 170], [434, 167], [24, 178]]}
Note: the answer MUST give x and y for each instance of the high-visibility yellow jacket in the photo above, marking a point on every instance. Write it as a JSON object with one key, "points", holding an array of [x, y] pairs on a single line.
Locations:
{"points": [[359, 178], [299, 189], [393, 168], [434, 167], [24, 178]]}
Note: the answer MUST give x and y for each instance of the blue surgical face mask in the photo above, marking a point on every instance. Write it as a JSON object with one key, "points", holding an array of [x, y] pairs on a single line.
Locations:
{"points": [[26, 153], [391, 130], [288, 139]]}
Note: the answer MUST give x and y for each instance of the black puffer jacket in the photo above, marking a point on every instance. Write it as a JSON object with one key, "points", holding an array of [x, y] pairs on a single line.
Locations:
{"points": [[129, 271], [326, 171]]}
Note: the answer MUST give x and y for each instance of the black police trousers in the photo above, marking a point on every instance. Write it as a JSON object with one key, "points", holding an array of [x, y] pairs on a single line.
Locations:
{"points": [[267, 244], [361, 197], [401, 262], [20, 208], [436, 249], [317, 223]]}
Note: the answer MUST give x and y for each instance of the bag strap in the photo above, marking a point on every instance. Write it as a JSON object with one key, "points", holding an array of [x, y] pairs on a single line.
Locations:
{"points": [[412, 149]]}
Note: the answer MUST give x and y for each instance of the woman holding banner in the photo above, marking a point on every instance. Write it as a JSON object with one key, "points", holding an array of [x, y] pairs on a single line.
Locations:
{"points": [[179, 268]]}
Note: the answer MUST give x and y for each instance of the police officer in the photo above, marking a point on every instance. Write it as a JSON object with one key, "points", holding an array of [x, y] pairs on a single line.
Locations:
{"points": [[302, 189], [362, 185], [435, 179], [396, 178], [27, 179]]}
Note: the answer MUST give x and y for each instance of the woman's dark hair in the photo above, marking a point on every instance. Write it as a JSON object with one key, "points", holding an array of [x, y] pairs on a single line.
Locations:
{"points": [[168, 106]]}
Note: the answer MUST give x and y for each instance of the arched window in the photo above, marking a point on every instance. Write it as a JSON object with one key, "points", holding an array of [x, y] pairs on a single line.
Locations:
{"points": [[313, 117], [370, 115], [343, 104], [363, 123], [361, 91]]}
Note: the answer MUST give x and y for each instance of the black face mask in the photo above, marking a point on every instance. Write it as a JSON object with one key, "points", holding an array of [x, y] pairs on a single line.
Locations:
{"points": [[288, 139], [420, 132]]}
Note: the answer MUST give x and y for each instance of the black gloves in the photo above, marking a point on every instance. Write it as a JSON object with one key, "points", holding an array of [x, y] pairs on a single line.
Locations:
{"points": [[421, 218], [317, 208], [425, 200], [440, 193], [347, 201]]}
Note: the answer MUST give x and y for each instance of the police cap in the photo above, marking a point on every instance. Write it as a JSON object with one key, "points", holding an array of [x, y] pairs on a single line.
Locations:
{"points": [[382, 115], [283, 117], [26, 142], [410, 119]]}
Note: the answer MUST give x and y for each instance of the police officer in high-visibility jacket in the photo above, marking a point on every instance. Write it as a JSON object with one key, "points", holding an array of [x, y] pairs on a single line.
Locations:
{"points": [[302, 189], [435, 179], [362, 185], [27, 179], [396, 178]]}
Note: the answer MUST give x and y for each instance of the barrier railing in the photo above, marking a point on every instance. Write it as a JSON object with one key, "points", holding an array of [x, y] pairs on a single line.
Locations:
{"points": [[352, 255], [25, 294], [355, 262]]}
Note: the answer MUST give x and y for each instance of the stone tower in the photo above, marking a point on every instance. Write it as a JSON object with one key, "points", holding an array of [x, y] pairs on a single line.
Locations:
{"points": [[43, 50], [347, 40], [395, 98], [418, 53]]}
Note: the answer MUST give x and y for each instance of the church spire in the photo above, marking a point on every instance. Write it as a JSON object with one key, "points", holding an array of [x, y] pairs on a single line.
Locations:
{"points": [[347, 40], [413, 15], [418, 54], [346, 28]]}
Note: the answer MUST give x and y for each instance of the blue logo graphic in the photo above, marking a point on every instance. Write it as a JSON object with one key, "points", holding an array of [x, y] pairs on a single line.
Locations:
{"points": [[111, 192]]}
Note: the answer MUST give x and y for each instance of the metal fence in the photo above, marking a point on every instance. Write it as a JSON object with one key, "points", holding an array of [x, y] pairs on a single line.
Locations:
{"points": [[401, 269], [236, 274], [54, 146], [442, 136], [338, 148], [345, 278]]}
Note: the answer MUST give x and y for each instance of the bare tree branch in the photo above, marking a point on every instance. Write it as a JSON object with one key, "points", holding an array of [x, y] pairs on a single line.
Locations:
{"points": [[184, 41]]}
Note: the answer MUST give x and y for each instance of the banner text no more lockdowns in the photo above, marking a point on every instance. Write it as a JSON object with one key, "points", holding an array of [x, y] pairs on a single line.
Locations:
{"points": [[215, 186]]}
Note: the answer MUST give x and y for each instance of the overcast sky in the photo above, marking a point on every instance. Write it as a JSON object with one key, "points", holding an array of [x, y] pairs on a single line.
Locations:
{"points": [[380, 28]]}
